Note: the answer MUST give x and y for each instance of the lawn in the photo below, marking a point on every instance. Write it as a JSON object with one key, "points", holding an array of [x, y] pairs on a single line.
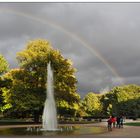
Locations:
{"points": [[133, 124]]}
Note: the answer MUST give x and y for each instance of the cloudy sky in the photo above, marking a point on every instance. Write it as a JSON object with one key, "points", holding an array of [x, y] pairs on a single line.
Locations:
{"points": [[102, 39]]}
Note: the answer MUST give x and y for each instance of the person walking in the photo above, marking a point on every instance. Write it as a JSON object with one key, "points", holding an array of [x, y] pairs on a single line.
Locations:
{"points": [[118, 122], [109, 121], [113, 121], [121, 121]]}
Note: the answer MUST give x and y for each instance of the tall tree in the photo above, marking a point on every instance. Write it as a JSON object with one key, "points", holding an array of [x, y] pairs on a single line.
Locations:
{"points": [[29, 82]]}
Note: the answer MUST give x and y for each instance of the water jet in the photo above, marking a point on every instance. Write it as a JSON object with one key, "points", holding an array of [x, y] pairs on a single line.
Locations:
{"points": [[49, 118]]}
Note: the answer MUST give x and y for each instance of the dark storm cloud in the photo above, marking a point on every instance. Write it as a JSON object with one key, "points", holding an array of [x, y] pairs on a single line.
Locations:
{"points": [[112, 28]]}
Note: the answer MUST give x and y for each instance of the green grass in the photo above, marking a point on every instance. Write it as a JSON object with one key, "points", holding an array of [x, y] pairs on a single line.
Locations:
{"points": [[133, 124]]}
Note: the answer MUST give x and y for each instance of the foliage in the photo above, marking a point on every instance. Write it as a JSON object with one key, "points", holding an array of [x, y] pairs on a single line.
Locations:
{"points": [[92, 104], [3, 68], [3, 65], [124, 100], [66, 109], [28, 91], [20, 95], [81, 112]]}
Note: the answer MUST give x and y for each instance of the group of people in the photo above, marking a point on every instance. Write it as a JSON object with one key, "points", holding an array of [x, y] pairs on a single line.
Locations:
{"points": [[115, 122]]}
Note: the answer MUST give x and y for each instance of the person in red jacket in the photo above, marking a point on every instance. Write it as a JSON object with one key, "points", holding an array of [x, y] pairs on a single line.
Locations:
{"points": [[113, 121], [109, 121]]}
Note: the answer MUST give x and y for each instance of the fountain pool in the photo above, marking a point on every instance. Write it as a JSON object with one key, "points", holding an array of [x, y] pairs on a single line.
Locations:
{"points": [[64, 131]]}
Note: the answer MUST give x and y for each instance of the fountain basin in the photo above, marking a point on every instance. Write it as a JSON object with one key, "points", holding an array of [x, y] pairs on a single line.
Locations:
{"points": [[63, 131]]}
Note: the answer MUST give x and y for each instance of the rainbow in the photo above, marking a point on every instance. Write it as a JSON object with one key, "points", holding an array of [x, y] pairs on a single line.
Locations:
{"points": [[75, 37]]}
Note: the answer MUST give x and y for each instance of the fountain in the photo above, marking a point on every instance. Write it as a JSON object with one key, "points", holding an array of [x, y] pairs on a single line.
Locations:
{"points": [[49, 123], [49, 117]]}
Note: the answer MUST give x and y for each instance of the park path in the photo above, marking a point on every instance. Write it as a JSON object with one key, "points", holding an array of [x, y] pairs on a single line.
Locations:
{"points": [[125, 132]]}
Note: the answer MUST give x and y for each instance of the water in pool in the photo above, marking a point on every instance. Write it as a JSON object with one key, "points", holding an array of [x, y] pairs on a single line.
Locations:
{"points": [[65, 131]]}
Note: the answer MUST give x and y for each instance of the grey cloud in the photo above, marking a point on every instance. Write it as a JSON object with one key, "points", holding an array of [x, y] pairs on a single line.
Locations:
{"points": [[112, 28]]}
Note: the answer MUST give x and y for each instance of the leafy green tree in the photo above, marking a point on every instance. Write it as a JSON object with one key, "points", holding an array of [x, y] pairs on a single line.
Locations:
{"points": [[124, 95], [29, 81], [123, 100], [3, 68], [92, 104]]}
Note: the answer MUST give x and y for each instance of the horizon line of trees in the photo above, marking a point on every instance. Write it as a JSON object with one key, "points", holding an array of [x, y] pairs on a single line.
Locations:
{"points": [[23, 91]]}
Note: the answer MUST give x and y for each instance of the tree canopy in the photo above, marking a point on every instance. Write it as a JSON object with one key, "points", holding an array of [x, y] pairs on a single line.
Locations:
{"points": [[124, 100], [92, 104], [28, 91]]}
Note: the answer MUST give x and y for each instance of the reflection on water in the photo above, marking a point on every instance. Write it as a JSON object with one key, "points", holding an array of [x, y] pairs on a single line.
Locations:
{"points": [[63, 131]]}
